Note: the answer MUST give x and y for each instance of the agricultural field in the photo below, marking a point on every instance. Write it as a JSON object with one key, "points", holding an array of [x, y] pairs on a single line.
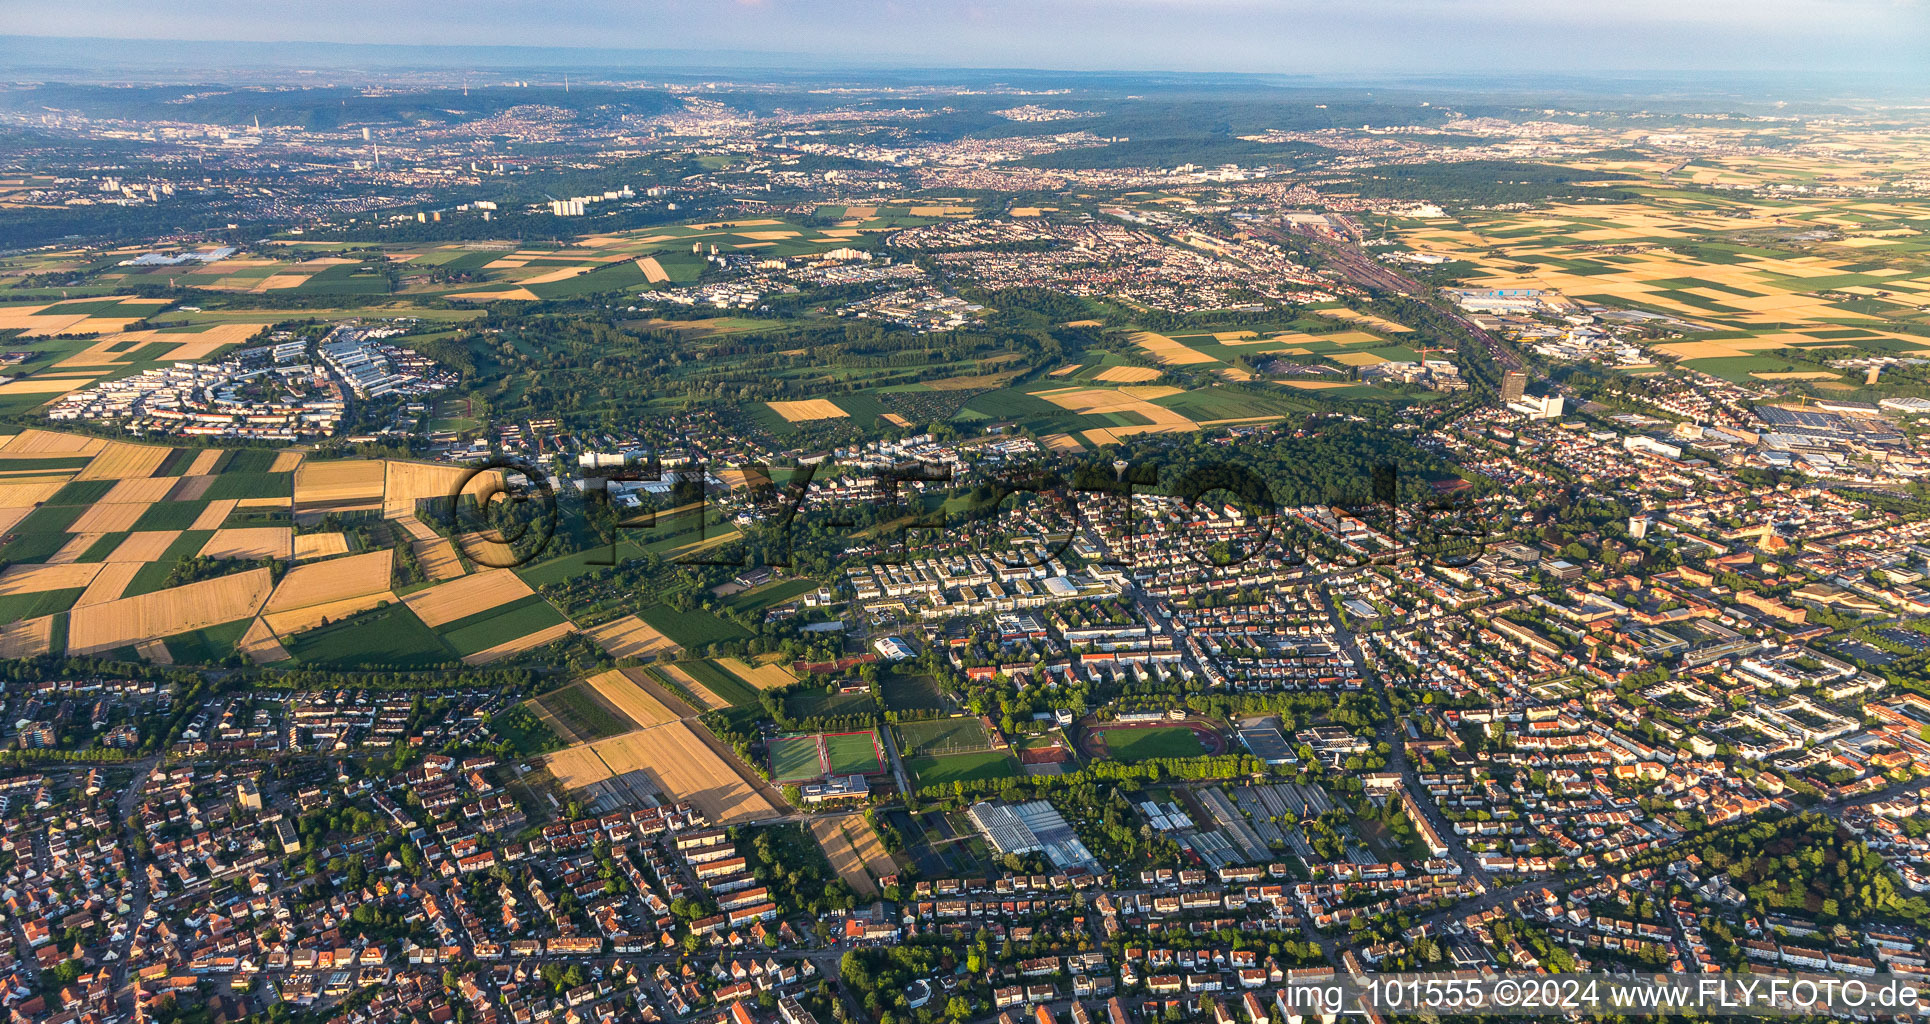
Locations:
{"points": [[624, 690], [855, 852], [1752, 279], [677, 760], [727, 685], [579, 714]]}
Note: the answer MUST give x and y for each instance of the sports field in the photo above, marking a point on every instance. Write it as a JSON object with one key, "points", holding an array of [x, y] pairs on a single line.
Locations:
{"points": [[942, 735], [1146, 744], [813, 756], [945, 769]]}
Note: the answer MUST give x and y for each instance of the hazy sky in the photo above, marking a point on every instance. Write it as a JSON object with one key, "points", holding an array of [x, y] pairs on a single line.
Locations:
{"points": [[1289, 36]]}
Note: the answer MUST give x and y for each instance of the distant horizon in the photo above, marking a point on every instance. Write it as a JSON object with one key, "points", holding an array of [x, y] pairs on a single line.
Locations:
{"points": [[1848, 39], [81, 60]]}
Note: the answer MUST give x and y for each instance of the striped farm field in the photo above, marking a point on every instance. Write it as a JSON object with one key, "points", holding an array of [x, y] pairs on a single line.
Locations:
{"points": [[808, 410], [339, 485], [622, 688], [333, 580], [473, 634], [631, 637], [764, 677], [445, 603], [251, 543], [130, 620]]}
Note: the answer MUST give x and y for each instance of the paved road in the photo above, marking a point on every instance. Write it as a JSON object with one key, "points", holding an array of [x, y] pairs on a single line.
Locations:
{"points": [[124, 808], [1390, 734]]}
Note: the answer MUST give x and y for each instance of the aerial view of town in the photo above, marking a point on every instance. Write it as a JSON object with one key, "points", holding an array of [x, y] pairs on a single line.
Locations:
{"points": [[497, 537]]}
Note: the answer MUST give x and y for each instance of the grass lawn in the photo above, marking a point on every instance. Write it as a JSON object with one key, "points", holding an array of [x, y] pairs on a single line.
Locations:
{"points": [[911, 693], [1156, 742], [524, 732], [949, 768], [813, 702]]}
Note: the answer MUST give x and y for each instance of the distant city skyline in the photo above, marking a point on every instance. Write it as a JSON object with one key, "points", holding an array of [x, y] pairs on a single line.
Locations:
{"points": [[1260, 36]]}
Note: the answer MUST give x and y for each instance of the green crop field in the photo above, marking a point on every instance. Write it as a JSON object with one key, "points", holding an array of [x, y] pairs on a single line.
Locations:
{"points": [[722, 683], [206, 646], [696, 628], [389, 637], [584, 713], [483, 630]]}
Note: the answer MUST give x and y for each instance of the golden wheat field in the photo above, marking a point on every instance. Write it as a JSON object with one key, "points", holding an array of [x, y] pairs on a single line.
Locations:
{"points": [[289, 621], [251, 543], [34, 441], [1160, 420], [320, 545], [527, 642], [214, 513], [105, 518], [339, 485], [109, 583], [674, 757], [631, 637], [77, 545], [333, 580], [855, 851], [261, 645], [29, 638], [408, 482], [25, 492], [447, 602], [122, 461], [130, 620], [1126, 374], [145, 490], [709, 700], [623, 690], [36, 579], [807, 410], [1168, 351], [438, 560], [764, 677], [144, 546]]}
